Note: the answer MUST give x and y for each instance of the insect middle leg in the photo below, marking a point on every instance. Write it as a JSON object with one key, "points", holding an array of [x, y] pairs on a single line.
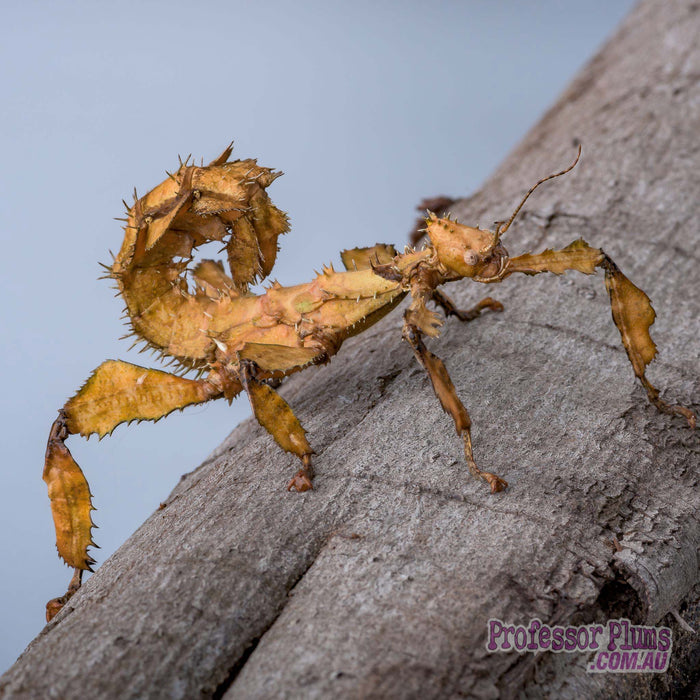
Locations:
{"points": [[446, 393], [277, 417], [450, 309]]}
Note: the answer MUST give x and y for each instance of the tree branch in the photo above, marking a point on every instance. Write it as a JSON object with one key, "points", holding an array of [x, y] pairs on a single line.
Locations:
{"points": [[380, 582]]}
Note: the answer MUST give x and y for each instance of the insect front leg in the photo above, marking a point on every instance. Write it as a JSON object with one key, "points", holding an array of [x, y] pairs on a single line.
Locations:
{"points": [[450, 309], [631, 308], [116, 392], [445, 391], [277, 417], [633, 315]]}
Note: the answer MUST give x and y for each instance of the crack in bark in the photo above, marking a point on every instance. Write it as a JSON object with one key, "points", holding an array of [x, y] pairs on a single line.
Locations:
{"points": [[237, 666]]}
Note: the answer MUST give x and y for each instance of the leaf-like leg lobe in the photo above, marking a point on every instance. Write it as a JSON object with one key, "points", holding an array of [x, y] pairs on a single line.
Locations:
{"points": [[69, 494], [445, 391], [118, 392], [364, 258], [633, 315]]}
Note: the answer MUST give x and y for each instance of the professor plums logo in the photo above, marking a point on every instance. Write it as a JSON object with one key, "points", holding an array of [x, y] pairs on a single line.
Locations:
{"points": [[619, 646]]}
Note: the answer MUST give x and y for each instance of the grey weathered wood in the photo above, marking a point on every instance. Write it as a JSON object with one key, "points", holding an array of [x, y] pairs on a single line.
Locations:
{"points": [[380, 582]]}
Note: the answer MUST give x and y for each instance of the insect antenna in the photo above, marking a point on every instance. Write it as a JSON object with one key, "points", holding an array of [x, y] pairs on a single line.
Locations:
{"points": [[500, 231]]}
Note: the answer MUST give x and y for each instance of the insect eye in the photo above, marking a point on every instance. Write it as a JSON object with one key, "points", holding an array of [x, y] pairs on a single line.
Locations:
{"points": [[196, 194], [471, 257]]}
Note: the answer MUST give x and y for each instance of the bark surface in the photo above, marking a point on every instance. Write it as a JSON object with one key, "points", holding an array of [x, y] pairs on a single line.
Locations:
{"points": [[380, 582]]}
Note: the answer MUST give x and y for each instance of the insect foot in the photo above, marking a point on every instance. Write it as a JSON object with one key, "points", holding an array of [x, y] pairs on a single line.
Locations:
{"points": [[55, 605], [301, 481]]}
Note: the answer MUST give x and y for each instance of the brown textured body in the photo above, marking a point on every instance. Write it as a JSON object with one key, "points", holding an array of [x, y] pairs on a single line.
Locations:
{"points": [[206, 319]]}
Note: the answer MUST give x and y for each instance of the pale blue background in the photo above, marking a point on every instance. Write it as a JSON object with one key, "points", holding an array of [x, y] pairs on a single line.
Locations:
{"points": [[368, 108]]}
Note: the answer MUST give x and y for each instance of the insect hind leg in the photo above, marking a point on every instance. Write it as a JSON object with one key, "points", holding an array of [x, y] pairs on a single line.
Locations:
{"points": [[115, 393]]}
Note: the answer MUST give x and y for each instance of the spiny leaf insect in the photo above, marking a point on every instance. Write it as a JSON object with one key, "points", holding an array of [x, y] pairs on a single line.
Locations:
{"points": [[206, 319]]}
